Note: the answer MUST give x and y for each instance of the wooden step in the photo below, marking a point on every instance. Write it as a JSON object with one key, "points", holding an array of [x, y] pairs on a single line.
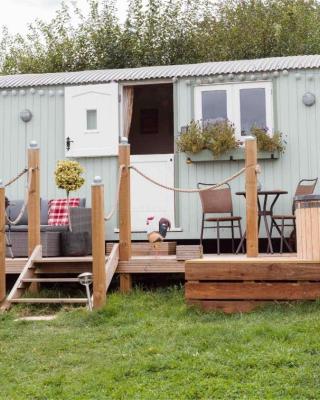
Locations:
{"points": [[189, 252], [161, 264], [52, 300], [147, 249], [51, 280], [63, 260]]}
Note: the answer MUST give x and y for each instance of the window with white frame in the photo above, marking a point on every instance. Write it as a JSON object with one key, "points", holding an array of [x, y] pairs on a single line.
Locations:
{"points": [[243, 104]]}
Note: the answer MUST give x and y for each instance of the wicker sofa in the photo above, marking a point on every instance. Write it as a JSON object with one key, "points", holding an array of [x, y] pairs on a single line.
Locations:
{"points": [[17, 235]]}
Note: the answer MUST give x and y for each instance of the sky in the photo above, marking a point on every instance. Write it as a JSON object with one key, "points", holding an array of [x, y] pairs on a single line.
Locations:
{"points": [[16, 14]]}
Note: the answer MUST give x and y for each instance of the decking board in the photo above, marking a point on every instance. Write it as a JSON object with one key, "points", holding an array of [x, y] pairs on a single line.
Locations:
{"points": [[267, 270], [227, 306], [252, 291], [240, 284]]}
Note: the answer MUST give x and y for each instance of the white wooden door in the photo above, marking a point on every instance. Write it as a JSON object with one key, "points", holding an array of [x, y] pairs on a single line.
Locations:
{"points": [[146, 198], [92, 120]]}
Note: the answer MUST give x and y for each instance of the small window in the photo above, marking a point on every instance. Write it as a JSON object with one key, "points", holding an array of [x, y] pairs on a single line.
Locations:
{"points": [[252, 109], [91, 120], [214, 105]]}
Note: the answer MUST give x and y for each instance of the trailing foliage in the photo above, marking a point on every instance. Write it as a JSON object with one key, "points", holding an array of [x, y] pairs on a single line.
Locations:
{"points": [[193, 139], [217, 137], [267, 142], [159, 32], [220, 137]]}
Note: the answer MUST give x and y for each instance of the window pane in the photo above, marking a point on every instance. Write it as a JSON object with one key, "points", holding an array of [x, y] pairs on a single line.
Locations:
{"points": [[91, 119], [214, 105], [252, 109]]}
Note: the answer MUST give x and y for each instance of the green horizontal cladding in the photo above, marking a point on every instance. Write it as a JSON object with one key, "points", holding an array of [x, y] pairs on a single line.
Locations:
{"points": [[300, 125]]}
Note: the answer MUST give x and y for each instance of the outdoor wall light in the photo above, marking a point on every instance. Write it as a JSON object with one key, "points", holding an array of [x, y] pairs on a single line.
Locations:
{"points": [[85, 279], [26, 115], [308, 99]]}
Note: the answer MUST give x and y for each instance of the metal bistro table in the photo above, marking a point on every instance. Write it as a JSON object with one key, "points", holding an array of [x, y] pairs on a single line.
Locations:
{"points": [[265, 208]]}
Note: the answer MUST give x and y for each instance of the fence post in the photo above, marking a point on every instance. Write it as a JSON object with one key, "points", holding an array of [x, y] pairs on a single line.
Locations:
{"points": [[2, 244], [98, 243], [34, 197], [251, 197], [125, 214]]}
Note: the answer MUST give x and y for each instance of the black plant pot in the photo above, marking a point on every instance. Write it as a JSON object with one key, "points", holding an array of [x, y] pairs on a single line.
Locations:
{"points": [[75, 244]]}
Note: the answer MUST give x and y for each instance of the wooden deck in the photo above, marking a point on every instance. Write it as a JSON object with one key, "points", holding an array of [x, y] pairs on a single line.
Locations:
{"points": [[231, 283], [152, 263], [138, 264], [52, 264], [239, 284]]}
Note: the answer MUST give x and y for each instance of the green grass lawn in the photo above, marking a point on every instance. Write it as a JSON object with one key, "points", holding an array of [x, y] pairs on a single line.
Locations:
{"points": [[149, 345]]}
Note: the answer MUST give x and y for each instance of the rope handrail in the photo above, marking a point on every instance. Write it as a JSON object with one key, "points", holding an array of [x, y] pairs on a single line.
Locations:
{"points": [[25, 203], [24, 171], [181, 190], [109, 216], [215, 186]]}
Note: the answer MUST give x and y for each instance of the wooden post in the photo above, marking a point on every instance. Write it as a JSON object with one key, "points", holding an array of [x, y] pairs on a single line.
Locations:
{"points": [[98, 244], [2, 244], [125, 214], [251, 197], [34, 197]]}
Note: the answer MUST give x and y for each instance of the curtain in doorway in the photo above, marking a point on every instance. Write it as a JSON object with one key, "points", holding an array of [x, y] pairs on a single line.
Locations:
{"points": [[128, 93]]}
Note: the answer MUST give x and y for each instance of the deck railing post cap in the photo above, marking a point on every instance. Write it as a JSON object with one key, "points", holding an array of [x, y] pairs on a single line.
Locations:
{"points": [[250, 137], [97, 180], [124, 140], [33, 144]]}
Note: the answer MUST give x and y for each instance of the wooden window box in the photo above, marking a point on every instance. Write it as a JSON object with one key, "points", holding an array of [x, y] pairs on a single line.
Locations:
{"points": [[232, 155]]}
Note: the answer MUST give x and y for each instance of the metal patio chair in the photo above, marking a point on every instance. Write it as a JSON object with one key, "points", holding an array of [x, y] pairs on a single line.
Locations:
{"points": [[218, 201], [279, 222]]}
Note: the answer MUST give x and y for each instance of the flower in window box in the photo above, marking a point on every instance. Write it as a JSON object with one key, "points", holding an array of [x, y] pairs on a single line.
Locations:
{"points": [[191, 140], [220, 137], [268, 142]]}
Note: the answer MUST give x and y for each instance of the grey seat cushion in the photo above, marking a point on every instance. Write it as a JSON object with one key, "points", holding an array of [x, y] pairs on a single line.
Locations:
{"points": [[13, 210], [44, 212], [15, 207]]}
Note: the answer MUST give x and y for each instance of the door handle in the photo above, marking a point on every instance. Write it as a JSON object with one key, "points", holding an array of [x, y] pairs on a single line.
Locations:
{"points": [[68, 143]]}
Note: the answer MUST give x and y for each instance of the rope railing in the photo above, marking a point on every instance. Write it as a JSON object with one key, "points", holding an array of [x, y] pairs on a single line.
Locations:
{"points": [[24, 171], [109, 216], [25, 203], [182, 190]]}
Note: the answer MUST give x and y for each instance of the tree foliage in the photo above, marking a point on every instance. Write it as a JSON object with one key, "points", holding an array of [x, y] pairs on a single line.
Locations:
{"points": [[159, 32]]}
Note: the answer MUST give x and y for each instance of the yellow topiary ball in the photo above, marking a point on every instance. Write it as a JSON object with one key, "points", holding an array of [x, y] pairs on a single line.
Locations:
{"points": [[68, 175]]}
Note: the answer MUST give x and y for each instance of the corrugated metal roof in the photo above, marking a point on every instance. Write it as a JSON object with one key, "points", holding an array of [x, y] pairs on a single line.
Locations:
{"points": [[161, 72]]}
